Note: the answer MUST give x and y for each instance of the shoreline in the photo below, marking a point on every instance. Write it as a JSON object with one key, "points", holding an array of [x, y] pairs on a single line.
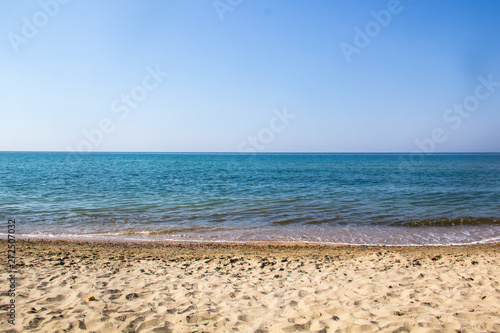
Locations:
{"points": [[266, 287], [235, 247], [249, 243], [494, 240]]}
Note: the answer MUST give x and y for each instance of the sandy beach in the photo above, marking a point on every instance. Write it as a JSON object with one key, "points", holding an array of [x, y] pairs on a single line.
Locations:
{"points": [[207, 287]]}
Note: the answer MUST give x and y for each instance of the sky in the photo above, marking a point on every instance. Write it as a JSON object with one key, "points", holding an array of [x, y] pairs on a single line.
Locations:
{"points": [[250, 76]]}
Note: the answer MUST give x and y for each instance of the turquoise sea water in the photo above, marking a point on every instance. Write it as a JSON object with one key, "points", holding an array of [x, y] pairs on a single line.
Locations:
{"points": [[341, 198]]}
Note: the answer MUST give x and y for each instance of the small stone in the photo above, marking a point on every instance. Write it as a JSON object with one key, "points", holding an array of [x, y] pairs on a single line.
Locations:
{"points": [[131, 296]]}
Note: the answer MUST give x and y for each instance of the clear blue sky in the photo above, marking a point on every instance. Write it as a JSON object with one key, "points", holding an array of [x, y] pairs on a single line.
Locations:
{"points": [[231, 68]]}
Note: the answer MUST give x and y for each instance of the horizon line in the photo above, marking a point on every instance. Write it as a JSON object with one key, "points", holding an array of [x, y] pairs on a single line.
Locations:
{"points": [[246, 153]]}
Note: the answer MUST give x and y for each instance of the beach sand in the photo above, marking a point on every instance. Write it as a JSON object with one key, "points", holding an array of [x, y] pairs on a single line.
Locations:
{"points": [[206, 287]]}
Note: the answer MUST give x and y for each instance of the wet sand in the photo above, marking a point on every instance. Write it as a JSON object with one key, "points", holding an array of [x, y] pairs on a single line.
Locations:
{"points": [[206, 287]]}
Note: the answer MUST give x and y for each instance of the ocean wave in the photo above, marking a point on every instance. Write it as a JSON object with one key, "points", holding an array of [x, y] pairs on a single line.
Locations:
{"points": [[452, 222], [169, 231]]}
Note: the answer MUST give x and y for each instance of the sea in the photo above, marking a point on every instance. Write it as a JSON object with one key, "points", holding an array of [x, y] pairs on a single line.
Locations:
{"points": [[371, 199]]}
